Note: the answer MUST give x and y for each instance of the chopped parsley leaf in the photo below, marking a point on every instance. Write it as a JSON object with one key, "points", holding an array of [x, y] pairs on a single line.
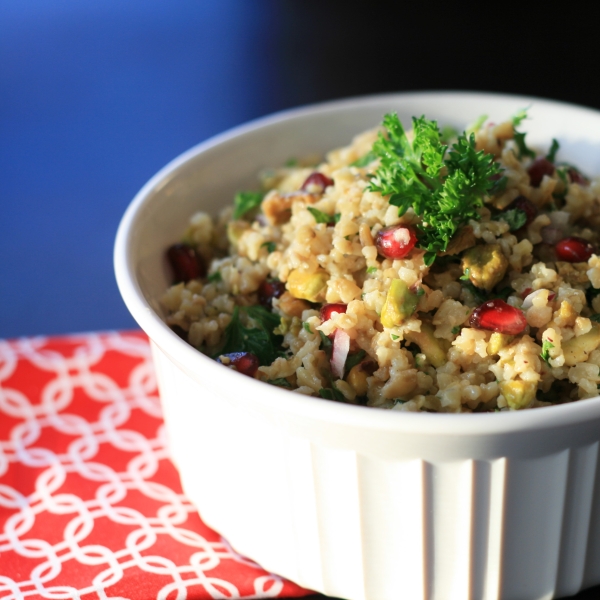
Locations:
{"points": [[270, 246], [353, 359], [291, 162], [364, 160], [332, 393], [307, 327], [591, 293], [476, 126], [326, 344], [420, 292], [281, 382], [321, 217], [519, 117], [371, 270], [258, 339], [215, 277], [515, 217], [545, 354], [595, 318], [444, 192], [456, 330], [394, 336], [337, 217], [551, 156], [244, 202]]}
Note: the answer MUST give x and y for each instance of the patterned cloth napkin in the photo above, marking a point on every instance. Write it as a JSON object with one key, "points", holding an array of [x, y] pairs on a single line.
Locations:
{"points": [[90, 504]]}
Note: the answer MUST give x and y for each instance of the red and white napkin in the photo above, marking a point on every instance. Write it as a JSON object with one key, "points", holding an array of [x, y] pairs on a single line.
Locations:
{"points": [[90, 504]]}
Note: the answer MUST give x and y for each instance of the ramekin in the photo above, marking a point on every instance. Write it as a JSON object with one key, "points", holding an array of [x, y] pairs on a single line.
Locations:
{"points": [[350, 501]]}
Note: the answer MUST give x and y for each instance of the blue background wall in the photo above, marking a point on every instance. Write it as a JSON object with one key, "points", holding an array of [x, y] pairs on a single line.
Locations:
{"points": [[97, 95]]}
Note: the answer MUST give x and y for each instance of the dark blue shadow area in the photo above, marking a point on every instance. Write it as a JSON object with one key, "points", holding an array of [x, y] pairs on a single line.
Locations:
{"points": [[95, 97]]}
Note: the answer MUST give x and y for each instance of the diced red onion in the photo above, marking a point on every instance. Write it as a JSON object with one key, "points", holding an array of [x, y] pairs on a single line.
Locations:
{"points": [[341, 347]]}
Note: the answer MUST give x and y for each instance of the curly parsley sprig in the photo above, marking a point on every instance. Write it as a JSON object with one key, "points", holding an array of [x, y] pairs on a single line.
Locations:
{"points": [[445, 191]]}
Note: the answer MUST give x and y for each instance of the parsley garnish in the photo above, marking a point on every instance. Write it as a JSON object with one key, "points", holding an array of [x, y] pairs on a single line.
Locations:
{"points": [[411, 175], [394, 336], [551, 156], [337, 217], [332, 393], [545, 354], [259, 339], [448, 134], [291, 162], [371, 270], [245, 202], [270, 246], [364, 160], [353, 359], [321, 217], [455, 329], [595, 318], [215, 277], [515, 217], [307, 327]]}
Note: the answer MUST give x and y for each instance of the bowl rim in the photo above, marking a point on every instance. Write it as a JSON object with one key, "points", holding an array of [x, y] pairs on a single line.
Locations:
{"points": [[313, 408]]}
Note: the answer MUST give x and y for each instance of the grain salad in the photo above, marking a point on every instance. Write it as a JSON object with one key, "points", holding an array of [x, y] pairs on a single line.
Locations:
{"points": [[419, 270]]}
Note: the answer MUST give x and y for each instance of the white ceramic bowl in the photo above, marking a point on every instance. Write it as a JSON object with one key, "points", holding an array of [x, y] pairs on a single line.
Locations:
{"points": [[352, 501]]}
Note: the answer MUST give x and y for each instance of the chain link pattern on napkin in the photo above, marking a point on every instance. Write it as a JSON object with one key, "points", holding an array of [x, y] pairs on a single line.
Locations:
{"points": [[90, 504]]}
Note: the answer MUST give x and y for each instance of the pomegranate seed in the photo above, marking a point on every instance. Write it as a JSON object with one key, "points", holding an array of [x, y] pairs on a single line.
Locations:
{"points": [[527, 206], [497, 315], [541, 166], [577, 177], [328, 310], [526, 292], [185, 262], [316, 183], [574, 249], [395, 242], [269, 289], [244, 362]]}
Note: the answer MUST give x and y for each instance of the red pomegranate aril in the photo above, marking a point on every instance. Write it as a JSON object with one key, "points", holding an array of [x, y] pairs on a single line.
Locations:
{"points": [[395, 242], [576, 177], [185, 262], [328, 310], [527, 206], [269, 289], [316, 183], [497, 315], [244, 362], [574, 249], [541, 166]]}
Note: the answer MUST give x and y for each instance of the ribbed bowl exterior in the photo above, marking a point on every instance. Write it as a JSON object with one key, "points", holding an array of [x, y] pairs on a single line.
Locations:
{"points": [[351, 501], [361, 526]]}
